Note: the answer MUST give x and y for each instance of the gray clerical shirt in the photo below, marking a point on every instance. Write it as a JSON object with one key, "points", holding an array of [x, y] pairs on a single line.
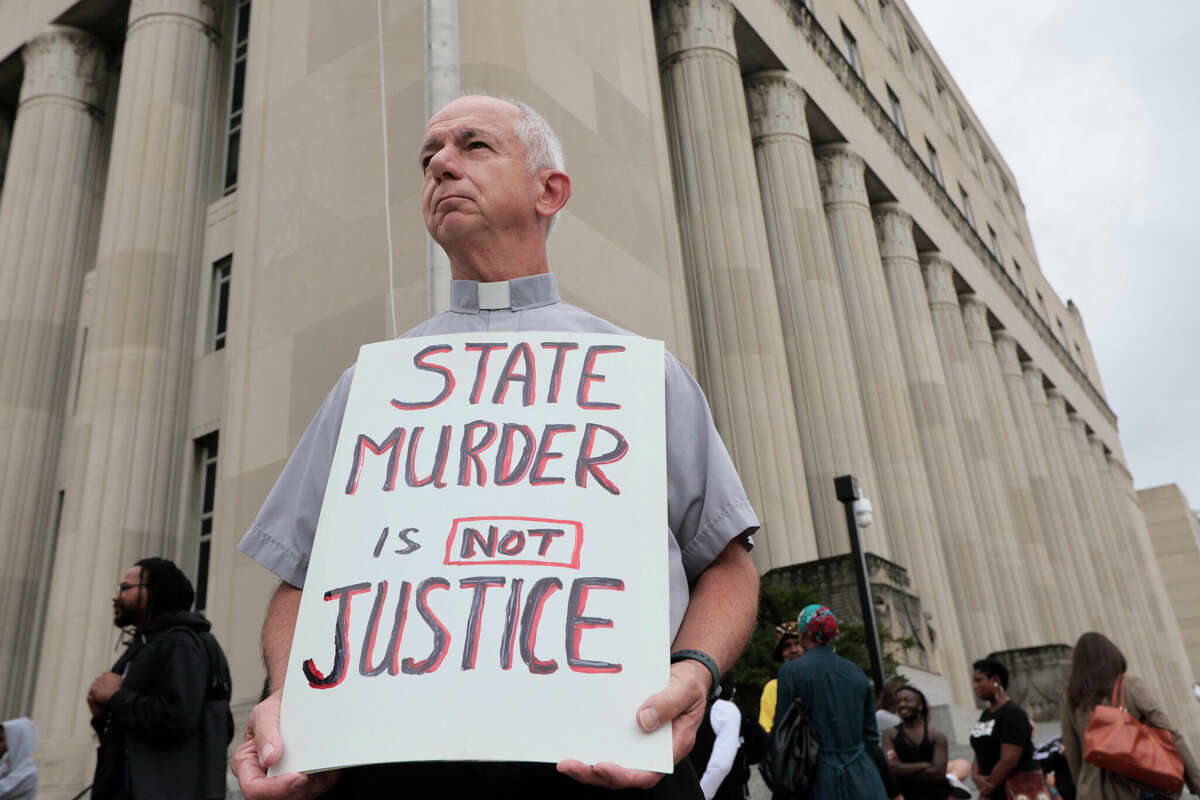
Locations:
{"points": [[706, 504]]}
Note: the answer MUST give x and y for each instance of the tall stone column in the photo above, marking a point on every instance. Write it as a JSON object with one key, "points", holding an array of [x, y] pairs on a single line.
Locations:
{"points": [[1133, 631], [1017, 494], [739, 338], [1060, 533], [1092, 603], [160, 181], [816, 336], [1023, 624], [47, 239], [1169, 644], [1132, 562], [903, 485], [1102, 567], [954, 531]]}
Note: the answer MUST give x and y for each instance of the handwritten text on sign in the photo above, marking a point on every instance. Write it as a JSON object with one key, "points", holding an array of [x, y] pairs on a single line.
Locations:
{"points": [[490, 557]]}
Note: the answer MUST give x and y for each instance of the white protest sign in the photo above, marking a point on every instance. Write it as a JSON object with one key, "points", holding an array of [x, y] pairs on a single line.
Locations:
{"points": [[489, 576]]}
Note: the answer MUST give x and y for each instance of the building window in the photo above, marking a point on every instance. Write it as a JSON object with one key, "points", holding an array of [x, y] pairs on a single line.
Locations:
{"points": [[934, 165], [79, 371], [989, 175], [966, 206], [885, 14], [1042, 305], [939, 89], [219, 303], [1020, 278], [897, 114], [995, 242], [206, 456], [1062, 332], [965, 129], [1079, 359], [852, 51], [889, 28], [237, 91]]}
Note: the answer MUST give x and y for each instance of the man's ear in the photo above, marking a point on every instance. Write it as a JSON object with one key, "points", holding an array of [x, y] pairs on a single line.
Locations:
{"points": [[554, 189]]}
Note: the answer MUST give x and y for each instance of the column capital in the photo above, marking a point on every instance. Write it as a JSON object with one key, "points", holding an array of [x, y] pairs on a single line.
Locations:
{"points": [[841, 172], [939, 279], [1034, 382], [682, 25], [64, 62], [1058, 408], [1079, 426], [975, 319], [1097, 446], [1006, 353], [204, 12], [775, 103], [1121, 471], [894, 230]]}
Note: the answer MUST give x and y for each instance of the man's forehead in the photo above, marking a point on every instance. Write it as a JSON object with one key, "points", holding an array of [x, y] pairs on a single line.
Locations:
{"points": [[485, 113]]}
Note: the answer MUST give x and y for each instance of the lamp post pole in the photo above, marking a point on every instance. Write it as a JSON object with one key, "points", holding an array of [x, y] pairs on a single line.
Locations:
{"points": [[847, 493]]}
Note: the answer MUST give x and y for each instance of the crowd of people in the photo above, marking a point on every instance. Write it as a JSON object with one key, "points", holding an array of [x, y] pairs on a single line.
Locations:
{"points": [[889, 750]]}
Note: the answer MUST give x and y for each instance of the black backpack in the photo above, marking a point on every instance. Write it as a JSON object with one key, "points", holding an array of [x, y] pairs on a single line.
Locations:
{"points": [[790, 764]]}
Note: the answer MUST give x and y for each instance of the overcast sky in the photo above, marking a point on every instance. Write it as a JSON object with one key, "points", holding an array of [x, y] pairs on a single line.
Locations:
{"points": [[1095, 107]]}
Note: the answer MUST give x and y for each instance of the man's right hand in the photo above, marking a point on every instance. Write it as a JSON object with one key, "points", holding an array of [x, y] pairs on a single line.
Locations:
{"points": [[261, 748]]}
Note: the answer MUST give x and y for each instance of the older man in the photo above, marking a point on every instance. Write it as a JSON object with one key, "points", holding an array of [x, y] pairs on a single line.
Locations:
{"points": [[493, 183]]}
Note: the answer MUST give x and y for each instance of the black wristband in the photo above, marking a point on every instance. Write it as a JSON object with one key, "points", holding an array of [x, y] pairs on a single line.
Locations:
{"points": [[707, 661]]}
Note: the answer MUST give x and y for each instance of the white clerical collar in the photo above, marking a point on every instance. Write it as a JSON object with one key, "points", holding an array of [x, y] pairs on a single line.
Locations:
{"points": [[494, 295], [530, 291]]}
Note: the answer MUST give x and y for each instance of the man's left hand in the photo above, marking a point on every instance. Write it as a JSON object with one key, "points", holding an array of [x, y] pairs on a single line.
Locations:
{"points": [[682, 704], [103, 688]]}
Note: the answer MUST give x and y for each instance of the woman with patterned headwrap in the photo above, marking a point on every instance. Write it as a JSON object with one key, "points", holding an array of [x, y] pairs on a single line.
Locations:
{"points": [[839, 698]]}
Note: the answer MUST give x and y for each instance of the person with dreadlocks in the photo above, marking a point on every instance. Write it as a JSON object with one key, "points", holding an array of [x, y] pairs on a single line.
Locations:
{"points": [[839, 698], [162, 711]]}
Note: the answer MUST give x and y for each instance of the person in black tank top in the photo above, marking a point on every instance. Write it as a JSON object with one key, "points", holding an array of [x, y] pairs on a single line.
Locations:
{"points": [[916, 750]]}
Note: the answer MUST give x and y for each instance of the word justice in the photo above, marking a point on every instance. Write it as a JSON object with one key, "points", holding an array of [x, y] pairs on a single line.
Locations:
{"points": [[520, 634]]}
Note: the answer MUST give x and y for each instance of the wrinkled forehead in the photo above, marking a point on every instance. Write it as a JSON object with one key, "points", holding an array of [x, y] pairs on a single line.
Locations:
{"points": [[489, 114]]}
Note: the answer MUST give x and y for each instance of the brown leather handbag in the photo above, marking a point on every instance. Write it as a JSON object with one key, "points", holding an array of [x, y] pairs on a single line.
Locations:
{"points": [[1026, 786], [1117, 742]]}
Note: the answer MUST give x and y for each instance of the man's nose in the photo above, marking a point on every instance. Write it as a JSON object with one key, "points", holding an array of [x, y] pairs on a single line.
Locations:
{"points": [[444, 164]]}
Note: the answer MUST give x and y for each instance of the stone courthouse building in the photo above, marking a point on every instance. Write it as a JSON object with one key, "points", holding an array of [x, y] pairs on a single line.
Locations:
{"points": [[795, 196]]}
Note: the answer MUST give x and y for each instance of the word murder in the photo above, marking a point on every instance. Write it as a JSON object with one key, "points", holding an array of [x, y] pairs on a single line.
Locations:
{"points": [[520, 634]]}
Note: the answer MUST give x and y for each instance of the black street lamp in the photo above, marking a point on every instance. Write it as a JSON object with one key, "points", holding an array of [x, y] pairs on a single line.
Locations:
{"points": [[849, 495]]}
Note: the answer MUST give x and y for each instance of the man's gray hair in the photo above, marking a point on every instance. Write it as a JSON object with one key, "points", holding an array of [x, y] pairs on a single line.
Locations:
{"points": [[542, 148]]}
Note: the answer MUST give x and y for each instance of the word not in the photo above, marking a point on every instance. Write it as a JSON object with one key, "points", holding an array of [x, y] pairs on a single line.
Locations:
{"points": [[513, 540], [521, 628]]}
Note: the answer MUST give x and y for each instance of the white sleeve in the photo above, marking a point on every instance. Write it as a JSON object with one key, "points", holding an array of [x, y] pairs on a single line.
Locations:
{"points": [[727, 724]]}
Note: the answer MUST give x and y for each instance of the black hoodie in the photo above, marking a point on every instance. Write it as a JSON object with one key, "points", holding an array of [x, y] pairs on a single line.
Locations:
{"points": [[170, 719]]}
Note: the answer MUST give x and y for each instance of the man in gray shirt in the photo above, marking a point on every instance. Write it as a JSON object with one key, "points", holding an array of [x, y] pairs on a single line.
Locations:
{"points": [[493, 182]]}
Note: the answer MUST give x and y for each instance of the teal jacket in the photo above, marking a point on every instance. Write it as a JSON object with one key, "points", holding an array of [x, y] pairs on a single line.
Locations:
{"points": [[840, 699]]}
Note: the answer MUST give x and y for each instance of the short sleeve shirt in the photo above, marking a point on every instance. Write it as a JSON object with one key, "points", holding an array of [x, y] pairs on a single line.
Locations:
{"points": [[706, 503], [1006, 725]]}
